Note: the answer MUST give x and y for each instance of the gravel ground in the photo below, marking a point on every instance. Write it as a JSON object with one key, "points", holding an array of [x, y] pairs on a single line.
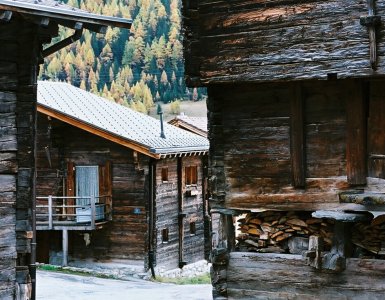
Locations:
{"points": [[58, 286]]}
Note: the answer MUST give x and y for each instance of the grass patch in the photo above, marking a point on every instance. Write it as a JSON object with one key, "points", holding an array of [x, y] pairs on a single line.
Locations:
{"points": [[201, 279], [70, 271]]}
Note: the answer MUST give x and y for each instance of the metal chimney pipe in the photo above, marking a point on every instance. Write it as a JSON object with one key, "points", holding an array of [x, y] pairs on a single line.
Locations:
{"points": [[160, 113]]}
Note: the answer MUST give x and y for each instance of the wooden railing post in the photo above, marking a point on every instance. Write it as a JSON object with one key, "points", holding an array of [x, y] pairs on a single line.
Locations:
{"points": [[50, 222], [93, 212]]}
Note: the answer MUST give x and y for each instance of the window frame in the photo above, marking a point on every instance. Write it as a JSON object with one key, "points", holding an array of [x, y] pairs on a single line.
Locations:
{"points": [[193, 228], [165, 235], [191, 175], [164, 174]]}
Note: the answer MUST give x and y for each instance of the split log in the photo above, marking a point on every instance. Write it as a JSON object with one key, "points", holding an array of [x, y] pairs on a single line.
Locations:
{"points": [[264, 231]]}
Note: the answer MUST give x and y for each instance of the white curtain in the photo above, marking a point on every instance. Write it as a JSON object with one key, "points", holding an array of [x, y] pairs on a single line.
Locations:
{"points": [[87, 183]]}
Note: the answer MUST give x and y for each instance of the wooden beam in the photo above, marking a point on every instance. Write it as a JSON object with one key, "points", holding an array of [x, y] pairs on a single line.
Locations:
{"points": [[297, 146], [65, 247], [356, 135], [96, 131], [5, 15], [180, 209]]}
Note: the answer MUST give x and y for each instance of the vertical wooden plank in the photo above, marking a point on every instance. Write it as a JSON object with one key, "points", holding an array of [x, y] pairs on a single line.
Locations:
{"points": [[70, 187], [108, 187], [376, 130], [297, 148], [356, 134], [102, 180]]}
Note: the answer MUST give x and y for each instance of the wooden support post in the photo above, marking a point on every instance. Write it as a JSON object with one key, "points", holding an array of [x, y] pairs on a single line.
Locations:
{"points": [[220, 260], [314, 254], [181, 215], [229, 232], [297, 146], [50, 220], [65, 247]]}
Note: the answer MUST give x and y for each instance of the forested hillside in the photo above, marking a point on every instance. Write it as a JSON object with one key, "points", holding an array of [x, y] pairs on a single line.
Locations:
{"points": [[135, 68]]}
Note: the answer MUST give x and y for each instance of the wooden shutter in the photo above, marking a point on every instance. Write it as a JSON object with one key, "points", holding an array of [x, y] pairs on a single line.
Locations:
{"points": [[187, 171], [194, 174], [70, 187], [105, 184]]}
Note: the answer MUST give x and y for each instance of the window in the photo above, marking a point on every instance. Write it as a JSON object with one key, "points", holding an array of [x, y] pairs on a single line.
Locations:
{"points": [[164, 174], [191, 175], [165, 235], [192, 228]]}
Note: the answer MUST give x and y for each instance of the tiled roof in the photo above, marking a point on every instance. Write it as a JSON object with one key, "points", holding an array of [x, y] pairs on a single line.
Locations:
{"points": [[61, 12], [195, 124], [117, 120]]}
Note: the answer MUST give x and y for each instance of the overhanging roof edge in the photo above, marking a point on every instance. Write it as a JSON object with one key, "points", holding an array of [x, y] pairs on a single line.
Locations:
{"points": [[135, 145], [64, 14]]}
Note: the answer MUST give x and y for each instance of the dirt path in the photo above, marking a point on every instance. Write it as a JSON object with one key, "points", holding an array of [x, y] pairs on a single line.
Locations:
{"points": [[58, 286]]}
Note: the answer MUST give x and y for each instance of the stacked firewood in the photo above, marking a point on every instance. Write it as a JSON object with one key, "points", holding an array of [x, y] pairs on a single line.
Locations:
{"points": [[271, 231], [370, 236]]}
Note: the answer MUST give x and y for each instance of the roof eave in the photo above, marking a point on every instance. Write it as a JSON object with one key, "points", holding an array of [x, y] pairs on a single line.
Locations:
{"points": [[61, 14], [180, 151], [188, 126], [97, 131]]}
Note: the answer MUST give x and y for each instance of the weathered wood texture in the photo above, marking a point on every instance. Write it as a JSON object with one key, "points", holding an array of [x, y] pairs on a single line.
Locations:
{"points": [[250, 158], [192, 245], [18, 72], [356, 134], [282, 276], [125, 236], [227, 41], [376, 130]]}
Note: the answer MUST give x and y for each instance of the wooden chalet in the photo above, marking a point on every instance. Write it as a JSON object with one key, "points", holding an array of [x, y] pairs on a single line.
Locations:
{"points": [[26, 25], [197, 125], [296, 106], [113, 185]]}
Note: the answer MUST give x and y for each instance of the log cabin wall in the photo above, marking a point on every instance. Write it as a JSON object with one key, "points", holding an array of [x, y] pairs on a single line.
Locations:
{"points": [[247, 40], [125, 236], [167, 212], [179, 212], [252, 144], [279, 139], [193, 207], [18, 71]]}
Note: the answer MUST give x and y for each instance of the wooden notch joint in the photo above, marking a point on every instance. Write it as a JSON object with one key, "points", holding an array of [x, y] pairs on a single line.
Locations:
{"points": [[370, 21]]}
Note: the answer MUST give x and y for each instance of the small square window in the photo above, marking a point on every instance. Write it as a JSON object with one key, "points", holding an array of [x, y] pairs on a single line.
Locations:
{"points": [[164, 174], [193, 230], [191, 175], [165, 235]]}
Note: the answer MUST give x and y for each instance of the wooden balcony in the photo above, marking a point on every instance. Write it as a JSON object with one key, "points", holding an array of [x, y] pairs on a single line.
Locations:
{"points": [[62, 213]]}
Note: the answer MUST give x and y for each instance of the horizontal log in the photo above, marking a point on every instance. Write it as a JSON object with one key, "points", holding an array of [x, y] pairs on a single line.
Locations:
{"points": [[287, 274], [237, 38], [8, 162]]}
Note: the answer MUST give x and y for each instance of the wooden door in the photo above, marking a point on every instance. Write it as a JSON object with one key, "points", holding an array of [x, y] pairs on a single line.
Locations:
{"points": [[376, 130]]}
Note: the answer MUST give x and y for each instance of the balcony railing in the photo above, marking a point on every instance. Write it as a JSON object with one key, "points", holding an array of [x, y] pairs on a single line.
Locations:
{"points": [[57, 211]]}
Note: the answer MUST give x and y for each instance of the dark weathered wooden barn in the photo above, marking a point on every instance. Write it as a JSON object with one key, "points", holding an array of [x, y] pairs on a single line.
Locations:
{"points": [[24, 27], [296, 106], [115, 185]]}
